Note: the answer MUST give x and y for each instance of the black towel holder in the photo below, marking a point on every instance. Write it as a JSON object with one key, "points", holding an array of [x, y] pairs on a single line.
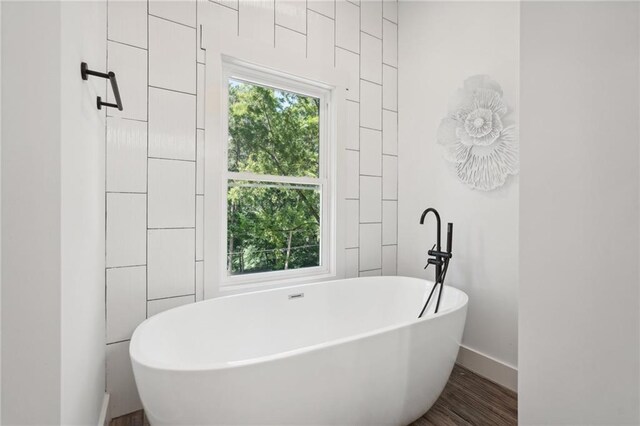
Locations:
{"points": [[111, 76]]}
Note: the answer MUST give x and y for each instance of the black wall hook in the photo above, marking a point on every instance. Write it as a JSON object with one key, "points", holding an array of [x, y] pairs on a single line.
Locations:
{"points": [[85, 72]]}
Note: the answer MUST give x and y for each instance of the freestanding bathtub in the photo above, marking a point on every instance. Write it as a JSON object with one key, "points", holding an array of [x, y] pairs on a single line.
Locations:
{"points": [[347, 352]]}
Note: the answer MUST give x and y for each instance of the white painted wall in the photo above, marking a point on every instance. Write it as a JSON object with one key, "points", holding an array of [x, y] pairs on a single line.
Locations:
{"points": [[440, 45], [579, 313], [82, 162], [52, 218]]}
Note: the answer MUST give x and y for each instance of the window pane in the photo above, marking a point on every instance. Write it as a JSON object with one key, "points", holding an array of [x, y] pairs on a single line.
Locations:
{"points": [[272, 227], [272, 131]]}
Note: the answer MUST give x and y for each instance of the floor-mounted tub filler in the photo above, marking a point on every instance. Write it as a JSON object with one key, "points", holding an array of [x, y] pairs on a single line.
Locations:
{"points": [[348, 352]]}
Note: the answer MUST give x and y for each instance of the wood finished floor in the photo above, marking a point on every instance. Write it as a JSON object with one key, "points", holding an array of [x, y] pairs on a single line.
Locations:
{"points": [[468, 399]]}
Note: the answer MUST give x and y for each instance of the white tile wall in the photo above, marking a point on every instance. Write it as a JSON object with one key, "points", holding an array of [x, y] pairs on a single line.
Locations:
{"points": [[121, 386], [351, 263], [160, 305], [325, 7], [130, 67], [126, 301], [370, 199], [292, 14], [370, 246], [348, 26], [353, 126], [126, 155], [390, 10], [128, 22], [257, 21], [390, 177], [371, 58], [389, 132], [370, 152], [352, 222], [352, 176], [126, 229], [320, 38], [350, 61], [291, 41], [171, 194], [389, 222], [171, 268], [172, 227], [389, 260], [172, 116], [390, 48], [370, 105], [390, 85], [371, 15], [172, 55], [182, 11]]}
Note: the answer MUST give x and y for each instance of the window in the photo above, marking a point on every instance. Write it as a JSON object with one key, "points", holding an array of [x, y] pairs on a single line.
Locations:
{"points": [[276, 176]]}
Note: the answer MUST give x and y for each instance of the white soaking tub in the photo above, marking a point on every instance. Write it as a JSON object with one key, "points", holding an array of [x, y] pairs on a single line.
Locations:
{"points": [[347, 352]]}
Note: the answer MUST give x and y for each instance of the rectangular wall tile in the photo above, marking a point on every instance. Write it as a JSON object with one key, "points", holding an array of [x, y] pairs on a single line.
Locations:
{"points": [[370, 105], [390, 10], [390, 84], [320, 36], [389, 132], [292, 14], [121, 385], [371, 15], [348, 26], [390, 40], [351, 263], [172, 192], [350, 63], [389, 177], [199, 281], [224, 19], [352, 223], [370, 199], [371, 58], [325, 7], [371, 273], [172, 118], [126, 229], [172, 55], [370, 152], [200, 162], [389, 260], [389, 222], [130, 66], [370, 246], [200, 96], [200, 227], [161, 305], [233, 4], [171, 268], [126, 301], [257, 21], [353, 126], [126, 162], [128, 22], [181, 11], [353, 171], [291, 41]]}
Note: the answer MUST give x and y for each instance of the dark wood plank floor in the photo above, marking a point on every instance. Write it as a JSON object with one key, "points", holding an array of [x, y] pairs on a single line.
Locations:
{"points": [[468, 399]]}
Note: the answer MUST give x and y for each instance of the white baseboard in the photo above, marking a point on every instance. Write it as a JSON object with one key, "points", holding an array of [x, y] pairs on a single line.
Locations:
{"points": [[104, 418], [488, 367]]}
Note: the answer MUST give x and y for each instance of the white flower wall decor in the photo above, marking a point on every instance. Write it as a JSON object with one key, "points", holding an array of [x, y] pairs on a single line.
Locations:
{"points": [[478, 141]]}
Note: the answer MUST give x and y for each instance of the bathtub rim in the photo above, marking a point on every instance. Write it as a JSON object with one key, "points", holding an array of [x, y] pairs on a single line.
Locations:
{"points": [[214, 366]]}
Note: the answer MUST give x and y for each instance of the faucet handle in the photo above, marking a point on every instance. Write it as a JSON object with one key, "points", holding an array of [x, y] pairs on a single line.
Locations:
{"points": [[429, 263]]}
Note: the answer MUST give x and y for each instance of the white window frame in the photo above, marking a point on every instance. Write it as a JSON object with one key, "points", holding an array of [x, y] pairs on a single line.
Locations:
{"points": [[233, 70], [224, 53]]}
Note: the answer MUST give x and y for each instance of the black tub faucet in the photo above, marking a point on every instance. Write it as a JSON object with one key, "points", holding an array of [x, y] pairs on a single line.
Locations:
{"points": [[438, 257]]}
